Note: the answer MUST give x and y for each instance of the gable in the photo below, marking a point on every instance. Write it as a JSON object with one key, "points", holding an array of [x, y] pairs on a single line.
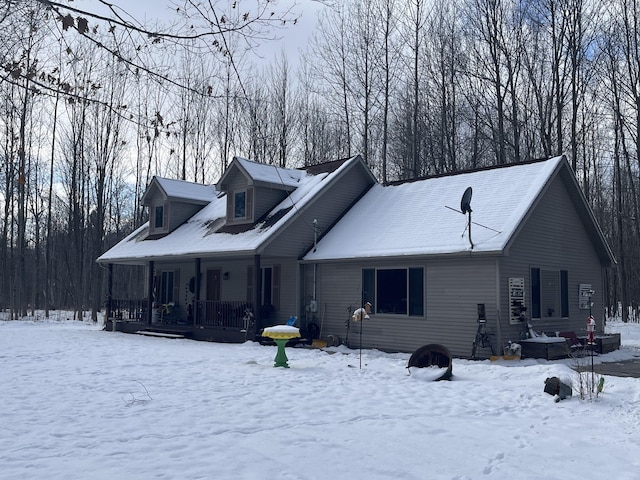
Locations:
{"points": [[172, 202], [560, 210], [260, 175], [423, 217], [253, 189], [178, 190]]}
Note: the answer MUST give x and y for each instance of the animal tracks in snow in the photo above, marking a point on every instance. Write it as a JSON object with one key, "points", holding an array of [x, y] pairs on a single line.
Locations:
{"points": [[497, 459]]}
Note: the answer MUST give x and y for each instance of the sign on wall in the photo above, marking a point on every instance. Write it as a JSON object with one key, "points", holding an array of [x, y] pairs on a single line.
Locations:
{"points": [[516, 300], [584, 297]]}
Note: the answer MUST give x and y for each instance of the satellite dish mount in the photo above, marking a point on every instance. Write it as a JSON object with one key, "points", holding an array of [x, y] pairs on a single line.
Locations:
{"points": [[465, 207]]}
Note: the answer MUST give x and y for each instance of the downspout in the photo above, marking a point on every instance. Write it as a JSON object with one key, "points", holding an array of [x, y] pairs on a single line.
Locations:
{"points": [[315, 280], [499, 350], [149, 292]]}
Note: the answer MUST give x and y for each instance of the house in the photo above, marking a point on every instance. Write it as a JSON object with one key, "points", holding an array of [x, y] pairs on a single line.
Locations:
{"points": [[222, 261], [526, 252], [502, 250]]}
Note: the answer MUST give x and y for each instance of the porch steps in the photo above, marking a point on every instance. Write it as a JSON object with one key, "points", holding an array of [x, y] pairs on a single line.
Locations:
{"points": [[149, 333]]}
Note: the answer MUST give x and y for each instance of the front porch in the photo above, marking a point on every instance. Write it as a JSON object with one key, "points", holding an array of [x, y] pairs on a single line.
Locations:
{"points": [[210, 321], [221, 321]]}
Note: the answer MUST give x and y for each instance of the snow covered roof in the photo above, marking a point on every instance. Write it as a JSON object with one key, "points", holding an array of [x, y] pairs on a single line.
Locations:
{"points": [[261, 173], [423, 217], [183, 190], [201, 235]]}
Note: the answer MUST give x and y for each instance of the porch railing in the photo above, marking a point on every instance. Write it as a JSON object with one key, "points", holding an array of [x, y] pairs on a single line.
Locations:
{"points": [[227, 314], [222, 314], [129, 309]]}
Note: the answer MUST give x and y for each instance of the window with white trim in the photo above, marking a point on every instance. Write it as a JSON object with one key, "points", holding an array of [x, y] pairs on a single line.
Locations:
{"points": [[240, 205], [159, 216]]}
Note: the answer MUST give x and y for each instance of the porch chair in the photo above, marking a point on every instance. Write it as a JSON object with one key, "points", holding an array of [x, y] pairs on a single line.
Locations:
{"points": [[574, 343]]}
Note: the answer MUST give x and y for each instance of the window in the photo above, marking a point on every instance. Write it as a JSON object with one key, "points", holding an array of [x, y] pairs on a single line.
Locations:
{"points": [[416, 292], [269, 300], [564, 293], [397, 291], [240, 205], [166, 287], [549, 293], [159, 218]]}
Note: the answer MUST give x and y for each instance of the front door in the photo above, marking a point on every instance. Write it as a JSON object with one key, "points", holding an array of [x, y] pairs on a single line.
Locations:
{"points": [[212, 300], [213, 285]]}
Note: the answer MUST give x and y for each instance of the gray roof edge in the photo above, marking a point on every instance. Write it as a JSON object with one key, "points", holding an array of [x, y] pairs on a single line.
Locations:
{"points": [[405, 258]]}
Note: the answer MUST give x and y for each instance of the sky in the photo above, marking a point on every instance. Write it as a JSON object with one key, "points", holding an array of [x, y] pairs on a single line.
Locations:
{"points": [[77, 402], [291, 39]]}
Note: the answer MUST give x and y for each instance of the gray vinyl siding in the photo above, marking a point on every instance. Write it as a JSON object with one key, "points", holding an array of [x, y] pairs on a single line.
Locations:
{"points": [[180, 212], [175, 213], [234, 288], [554, 238], [450, 304], [455, 287], [265, 199], [333, 202], [237, 182]]}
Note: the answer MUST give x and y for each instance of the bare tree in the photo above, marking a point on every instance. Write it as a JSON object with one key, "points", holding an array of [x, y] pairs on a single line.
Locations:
{"points": [[389, 26], [333, 71], [496, 29]]}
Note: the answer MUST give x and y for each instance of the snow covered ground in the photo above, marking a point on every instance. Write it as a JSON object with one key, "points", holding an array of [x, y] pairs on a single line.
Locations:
{"points": [[80, 403]]}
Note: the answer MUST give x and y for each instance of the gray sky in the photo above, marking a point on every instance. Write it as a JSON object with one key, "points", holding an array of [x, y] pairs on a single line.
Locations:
{"points": [[294, 38]]}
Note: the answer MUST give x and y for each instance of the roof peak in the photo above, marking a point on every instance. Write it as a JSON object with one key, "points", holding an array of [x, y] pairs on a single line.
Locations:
{"points": [[474, 170]]}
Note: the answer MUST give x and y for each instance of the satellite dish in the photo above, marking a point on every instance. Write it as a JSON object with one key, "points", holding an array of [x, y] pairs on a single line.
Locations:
{"points": [[465, 203]]}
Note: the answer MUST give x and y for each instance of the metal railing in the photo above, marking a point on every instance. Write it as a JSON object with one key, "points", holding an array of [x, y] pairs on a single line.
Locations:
{"points": [[227, 314], [129, 310], [222, 314]]}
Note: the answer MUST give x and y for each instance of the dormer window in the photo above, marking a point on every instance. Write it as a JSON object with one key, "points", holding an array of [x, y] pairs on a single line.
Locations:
{"points": [[240, 205], [159, 218]]}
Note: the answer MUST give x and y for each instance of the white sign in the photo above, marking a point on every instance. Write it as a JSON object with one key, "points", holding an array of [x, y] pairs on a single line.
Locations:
{"points": [[516, 300], [584, 297]]}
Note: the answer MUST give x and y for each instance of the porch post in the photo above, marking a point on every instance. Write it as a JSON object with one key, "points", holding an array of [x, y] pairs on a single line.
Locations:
{"points": [[149, 292], [109, 292], [196, 294], [257, 294], [500, 345]]}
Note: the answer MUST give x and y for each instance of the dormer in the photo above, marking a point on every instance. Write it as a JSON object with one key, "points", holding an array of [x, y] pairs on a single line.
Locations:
{"points": [[173, 202], [253, 189]]}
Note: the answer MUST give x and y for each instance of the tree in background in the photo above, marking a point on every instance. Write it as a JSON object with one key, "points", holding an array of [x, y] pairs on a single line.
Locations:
{"points": [[95, 104]]}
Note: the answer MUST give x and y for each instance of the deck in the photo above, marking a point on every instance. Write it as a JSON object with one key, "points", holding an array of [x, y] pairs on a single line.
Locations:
{"points": [[222, 334], [213, 321]]}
